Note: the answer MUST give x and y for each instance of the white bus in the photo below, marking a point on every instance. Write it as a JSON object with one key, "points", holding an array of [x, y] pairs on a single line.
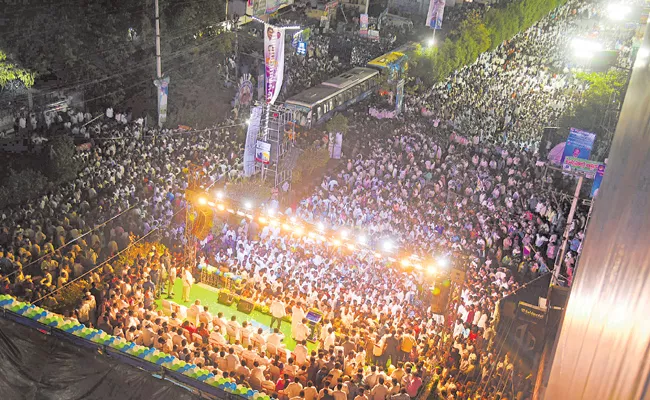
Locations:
{"points": [[319, 103]]}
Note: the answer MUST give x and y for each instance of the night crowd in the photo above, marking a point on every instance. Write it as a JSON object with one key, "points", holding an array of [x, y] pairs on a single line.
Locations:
{"points": [[460, 180]]}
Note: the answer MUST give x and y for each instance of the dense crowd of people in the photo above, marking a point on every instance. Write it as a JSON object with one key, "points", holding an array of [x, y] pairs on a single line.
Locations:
{"points": [[460, 180]]}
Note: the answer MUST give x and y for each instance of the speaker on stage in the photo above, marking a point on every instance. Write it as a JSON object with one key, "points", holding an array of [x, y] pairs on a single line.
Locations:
{"points": [[245, 306], [225, 298]]}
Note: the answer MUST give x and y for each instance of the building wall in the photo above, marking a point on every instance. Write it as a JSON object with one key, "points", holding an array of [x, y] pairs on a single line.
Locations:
{"points": [[603, 350]]}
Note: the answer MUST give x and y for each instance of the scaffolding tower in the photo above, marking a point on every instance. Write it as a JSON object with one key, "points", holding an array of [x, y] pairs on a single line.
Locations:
{"points": [[277, 130], [190, 245]]}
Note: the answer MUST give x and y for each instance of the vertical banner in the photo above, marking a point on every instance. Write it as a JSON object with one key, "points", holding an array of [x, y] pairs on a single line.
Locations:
{"points": [[251, 140], [272, 6], [600, 172], [274, 61], [363, 25], [435, 14], [263, 152], [250, 9], [163, 93], [399, 96], [578, 144]]}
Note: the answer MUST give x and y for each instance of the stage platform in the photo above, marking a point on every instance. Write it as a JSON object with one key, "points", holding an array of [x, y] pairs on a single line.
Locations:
{"points": [[209, 297]]}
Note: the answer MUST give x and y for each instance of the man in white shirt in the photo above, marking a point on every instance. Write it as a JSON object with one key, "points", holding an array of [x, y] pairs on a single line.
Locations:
{"points": [[301, 352], [278, 312], [297, 316], [301, 331], [188, 281], [380, 391], [275, 339]]}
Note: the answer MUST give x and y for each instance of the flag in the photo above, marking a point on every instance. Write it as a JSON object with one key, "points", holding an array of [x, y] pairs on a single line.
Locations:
{"points": [[273, 61], [435, 14]]}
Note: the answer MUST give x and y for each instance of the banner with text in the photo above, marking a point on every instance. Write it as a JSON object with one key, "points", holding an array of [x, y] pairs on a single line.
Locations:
{"points": [[251, 137], [163, 93], [600, 172], [587, 167], [273, 61], [399, 96], [263, 152], [363, 25], [435, 14], [578, 144]]}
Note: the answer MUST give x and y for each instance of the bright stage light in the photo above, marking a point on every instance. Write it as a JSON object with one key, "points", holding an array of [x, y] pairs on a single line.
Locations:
{"points": [[293, 220], [362, 239], [584, 48], [350, 246], [270, 212], [263, 220], [219, 194], [344, 234], [377, 255], [321, 226], [221, 207], [286, 227], [405, 263], [443, 262], [618, 12], [388, 245], [336, 242], [203, 201], [248, 205], [211, 204], [299, 230], [431, 42]]}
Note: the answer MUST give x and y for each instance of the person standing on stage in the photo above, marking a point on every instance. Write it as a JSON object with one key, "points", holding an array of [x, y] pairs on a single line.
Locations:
{"points": [[188, 281], [278, 312], [297, 315], [171, 278]]}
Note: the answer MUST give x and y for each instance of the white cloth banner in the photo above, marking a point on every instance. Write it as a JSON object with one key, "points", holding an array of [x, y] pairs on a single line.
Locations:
{"points": [[273, 61], [251, 140]]}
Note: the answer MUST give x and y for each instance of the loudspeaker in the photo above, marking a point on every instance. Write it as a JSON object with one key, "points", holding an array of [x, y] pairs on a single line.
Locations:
{"points": [[225, 298], [558, 297], [245, 306]]}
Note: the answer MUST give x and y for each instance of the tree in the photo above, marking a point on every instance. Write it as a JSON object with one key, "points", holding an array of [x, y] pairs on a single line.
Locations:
{"points": [[62, 166], [310, 161], [21, 186], [252, 190], [338, 124], [10, 72]]}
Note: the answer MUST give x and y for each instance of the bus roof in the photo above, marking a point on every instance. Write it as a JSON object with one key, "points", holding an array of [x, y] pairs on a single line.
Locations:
{"points": [[312, 96], [350, 77], [388, 59]]}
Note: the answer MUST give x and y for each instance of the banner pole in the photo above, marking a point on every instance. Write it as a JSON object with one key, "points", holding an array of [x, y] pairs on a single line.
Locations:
{"points": [[574, 205]]}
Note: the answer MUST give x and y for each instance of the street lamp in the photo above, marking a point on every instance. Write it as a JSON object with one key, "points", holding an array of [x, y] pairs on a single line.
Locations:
{"points": [[431, 42]]}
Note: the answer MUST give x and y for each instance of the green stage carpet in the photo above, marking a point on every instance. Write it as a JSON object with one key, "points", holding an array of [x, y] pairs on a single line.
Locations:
{"points": [[208, 296]]}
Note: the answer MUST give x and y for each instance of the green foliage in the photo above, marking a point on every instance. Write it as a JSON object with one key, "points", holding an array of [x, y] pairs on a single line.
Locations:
{"points": [[21, 186], [476, 35], [253, 190], [140, 249], [10, 72], [62, 166], [105, 48], [309, 162], [337, 124], [70, 297], [591, 111]]}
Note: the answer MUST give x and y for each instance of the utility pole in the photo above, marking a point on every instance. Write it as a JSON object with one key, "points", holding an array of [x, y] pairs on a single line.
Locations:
{"points": [[158, 59], [161, 83]]}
